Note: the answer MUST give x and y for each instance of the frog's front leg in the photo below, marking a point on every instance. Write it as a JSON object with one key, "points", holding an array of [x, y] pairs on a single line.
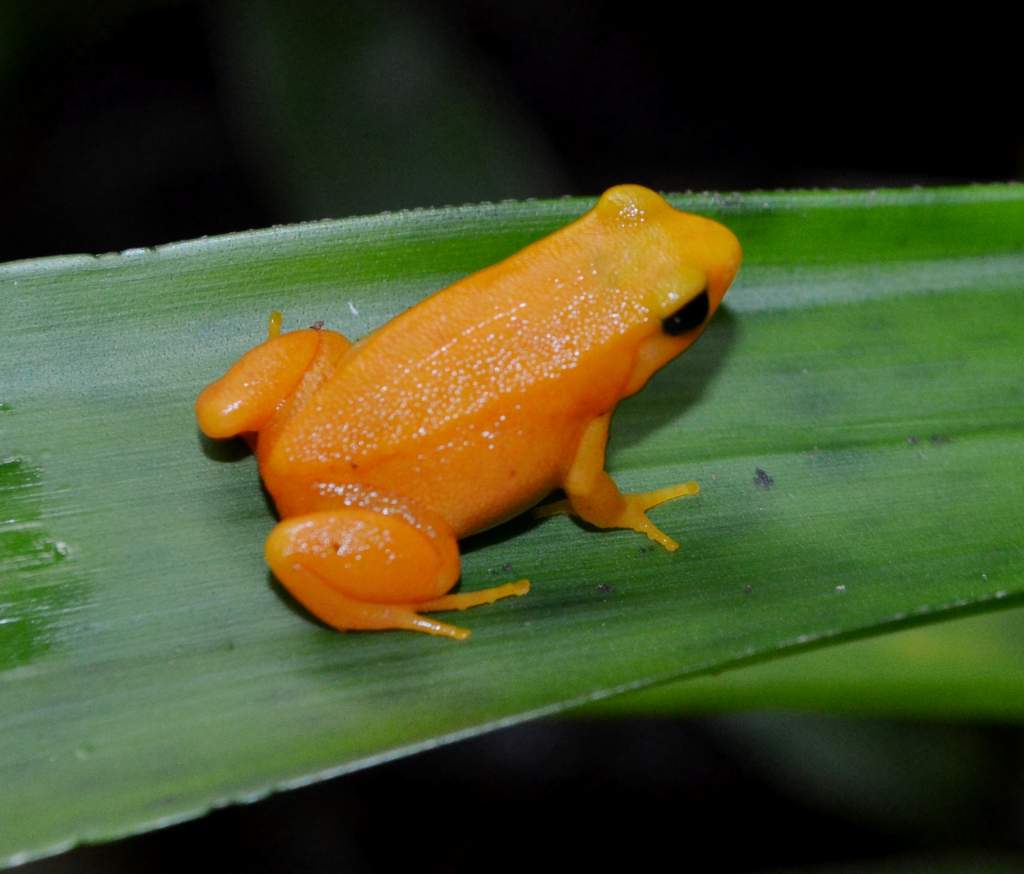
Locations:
{"points": [[375, 564], [594, 497]]}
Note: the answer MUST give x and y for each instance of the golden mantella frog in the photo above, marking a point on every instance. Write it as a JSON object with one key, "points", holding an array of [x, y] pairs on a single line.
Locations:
{"points": [[467, 409]]}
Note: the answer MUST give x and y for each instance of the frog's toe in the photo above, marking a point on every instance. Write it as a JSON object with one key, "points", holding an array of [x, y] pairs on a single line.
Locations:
{"points": [[646, 500], [465, 600]]}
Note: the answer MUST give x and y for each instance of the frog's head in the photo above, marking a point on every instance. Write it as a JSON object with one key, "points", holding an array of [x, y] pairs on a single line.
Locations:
{"points": [[679, 266]]}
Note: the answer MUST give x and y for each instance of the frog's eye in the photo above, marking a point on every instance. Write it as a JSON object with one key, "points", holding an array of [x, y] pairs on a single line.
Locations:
{"points": [[690, 315]]}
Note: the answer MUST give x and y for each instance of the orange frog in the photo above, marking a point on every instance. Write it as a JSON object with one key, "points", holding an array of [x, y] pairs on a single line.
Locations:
{"points": [[468, 409]]}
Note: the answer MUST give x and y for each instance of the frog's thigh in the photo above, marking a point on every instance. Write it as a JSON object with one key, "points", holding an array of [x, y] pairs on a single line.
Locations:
{"points": [[594, 497], [245, 397], [356, 568]]}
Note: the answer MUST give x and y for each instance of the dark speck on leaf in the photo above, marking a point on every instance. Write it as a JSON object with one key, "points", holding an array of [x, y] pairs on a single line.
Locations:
{"points": [[938, 440], [5, 408], [912, 440], [604, 588], [747, 589], [762, 480]]}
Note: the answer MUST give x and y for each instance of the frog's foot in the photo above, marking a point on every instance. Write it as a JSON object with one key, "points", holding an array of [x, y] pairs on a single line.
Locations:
{"points": [[357, 568], [606, 507], [594, 497], [635, 513], [465, 600]]}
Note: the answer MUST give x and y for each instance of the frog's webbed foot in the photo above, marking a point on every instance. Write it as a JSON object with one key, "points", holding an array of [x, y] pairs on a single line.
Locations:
{"points": [[594, 497], [359, 567]]}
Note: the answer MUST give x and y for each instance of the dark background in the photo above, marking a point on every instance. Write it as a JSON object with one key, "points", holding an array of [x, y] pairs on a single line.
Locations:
{"points": [[129, 124], [133, 124]]}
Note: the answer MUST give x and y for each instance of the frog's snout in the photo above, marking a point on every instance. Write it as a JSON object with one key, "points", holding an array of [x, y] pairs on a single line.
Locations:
{"points": [[723, 262]]}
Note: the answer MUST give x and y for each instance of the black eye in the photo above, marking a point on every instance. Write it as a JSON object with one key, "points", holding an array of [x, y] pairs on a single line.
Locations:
{"points": [[690, 315]]}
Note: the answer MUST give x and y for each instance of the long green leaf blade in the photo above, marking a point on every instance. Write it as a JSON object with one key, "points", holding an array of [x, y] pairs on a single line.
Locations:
{"points": [[854, 415]]}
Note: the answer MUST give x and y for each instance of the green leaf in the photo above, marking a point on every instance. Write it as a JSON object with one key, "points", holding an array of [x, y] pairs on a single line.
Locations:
{"points": [[854, 415]]}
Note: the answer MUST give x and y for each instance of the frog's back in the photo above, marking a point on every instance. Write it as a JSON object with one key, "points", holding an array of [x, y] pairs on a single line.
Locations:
{"points": [[475, 397]]}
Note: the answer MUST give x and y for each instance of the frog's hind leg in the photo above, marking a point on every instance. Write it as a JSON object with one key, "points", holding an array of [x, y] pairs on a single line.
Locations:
{"points": [[358, 568], [245, 398], [594, 497]]}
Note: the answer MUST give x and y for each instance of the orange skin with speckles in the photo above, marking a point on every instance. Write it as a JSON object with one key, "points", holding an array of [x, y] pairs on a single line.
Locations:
{"points": [[467, 409]]}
